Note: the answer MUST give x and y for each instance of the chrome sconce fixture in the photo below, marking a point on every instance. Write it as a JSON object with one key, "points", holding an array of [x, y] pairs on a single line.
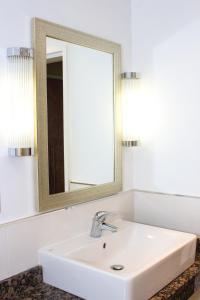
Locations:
{"points": [[20, 86], [130, 139]]}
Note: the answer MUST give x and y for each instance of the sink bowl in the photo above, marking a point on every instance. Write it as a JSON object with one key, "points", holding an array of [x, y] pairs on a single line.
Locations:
{"points": [[132, 264]]}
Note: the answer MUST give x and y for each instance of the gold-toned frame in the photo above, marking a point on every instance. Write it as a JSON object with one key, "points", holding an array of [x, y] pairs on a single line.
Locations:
{"points": [[41, 30]]}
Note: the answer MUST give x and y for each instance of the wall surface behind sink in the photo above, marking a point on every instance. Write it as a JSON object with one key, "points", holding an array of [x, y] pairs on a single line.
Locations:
{"points": [[165, 50]]}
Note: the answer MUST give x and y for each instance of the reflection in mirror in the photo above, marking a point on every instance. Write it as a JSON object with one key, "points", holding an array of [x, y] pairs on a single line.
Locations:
{"points": [[80, 116]]}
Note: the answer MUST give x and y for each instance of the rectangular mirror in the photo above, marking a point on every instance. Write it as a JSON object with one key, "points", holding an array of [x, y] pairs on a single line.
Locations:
{"points": [[78, 116]]}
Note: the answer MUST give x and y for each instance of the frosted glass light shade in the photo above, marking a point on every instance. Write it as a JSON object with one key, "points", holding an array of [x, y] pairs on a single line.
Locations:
{"points": [[20, 84], [129, 109]]}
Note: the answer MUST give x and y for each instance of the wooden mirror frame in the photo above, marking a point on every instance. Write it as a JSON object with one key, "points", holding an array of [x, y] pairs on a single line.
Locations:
{"points": [[41, 30]]}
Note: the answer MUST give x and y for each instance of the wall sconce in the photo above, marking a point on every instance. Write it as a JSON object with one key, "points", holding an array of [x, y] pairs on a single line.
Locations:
{"points": [[130, 135], [20, 86]]}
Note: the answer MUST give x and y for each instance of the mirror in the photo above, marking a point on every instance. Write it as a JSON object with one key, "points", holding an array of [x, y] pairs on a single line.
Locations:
{"points": [[78, 116]]}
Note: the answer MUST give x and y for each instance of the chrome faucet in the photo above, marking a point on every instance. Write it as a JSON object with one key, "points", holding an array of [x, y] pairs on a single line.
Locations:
{"points": [[99, 224]]}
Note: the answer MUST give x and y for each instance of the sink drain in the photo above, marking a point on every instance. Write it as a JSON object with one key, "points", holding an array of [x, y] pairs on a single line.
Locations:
{"points": [[117, 267]]}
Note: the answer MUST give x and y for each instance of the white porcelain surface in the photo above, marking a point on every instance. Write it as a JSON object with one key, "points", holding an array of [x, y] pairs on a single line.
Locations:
{"points": [[151, 257]]}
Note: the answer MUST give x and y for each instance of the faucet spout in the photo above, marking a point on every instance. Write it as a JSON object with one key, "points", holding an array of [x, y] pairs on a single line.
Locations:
{"points": [[106, 226]]}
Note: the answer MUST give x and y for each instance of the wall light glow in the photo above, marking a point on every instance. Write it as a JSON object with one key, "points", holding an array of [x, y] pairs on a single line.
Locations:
{"points": [[20, 85], [130, 108]]}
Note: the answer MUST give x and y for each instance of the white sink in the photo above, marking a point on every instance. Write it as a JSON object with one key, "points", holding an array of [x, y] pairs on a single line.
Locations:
{"points": [[151, 258]]}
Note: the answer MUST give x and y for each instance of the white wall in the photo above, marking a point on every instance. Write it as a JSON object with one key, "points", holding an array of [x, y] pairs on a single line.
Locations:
{"points": [[168, 211], [106, 19], [166, 47]]}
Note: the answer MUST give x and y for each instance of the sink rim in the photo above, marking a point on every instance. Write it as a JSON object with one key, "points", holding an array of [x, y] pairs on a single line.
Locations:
{"points": [[90, 242]]}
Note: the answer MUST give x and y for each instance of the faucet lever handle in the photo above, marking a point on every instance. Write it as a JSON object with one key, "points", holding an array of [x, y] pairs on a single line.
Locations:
{"points": [[101, 215]]}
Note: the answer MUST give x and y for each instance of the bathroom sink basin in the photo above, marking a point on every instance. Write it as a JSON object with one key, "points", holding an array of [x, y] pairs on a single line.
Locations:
{"points": [[132, 264]]}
